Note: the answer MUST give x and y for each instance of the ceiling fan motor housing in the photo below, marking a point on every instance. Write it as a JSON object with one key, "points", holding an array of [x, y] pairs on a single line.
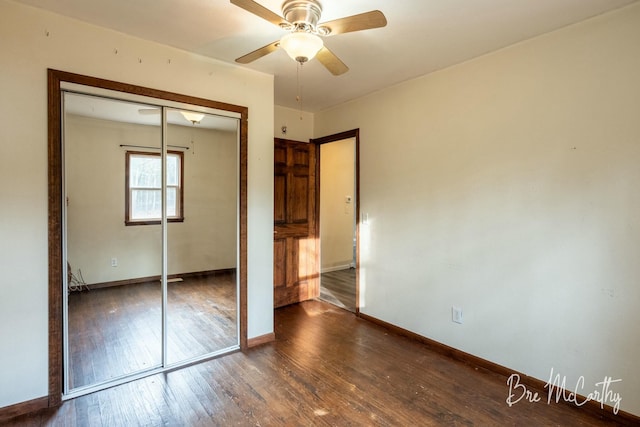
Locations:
{"points": [[303, 14]]}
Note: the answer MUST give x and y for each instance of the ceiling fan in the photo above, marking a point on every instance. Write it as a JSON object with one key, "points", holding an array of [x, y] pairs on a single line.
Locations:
{"points": [[303, 40]]}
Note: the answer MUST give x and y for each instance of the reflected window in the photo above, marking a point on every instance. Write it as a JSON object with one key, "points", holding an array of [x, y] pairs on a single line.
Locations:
{"points": [[143, 179]]}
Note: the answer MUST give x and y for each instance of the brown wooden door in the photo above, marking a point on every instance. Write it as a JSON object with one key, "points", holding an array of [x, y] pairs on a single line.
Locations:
{"points": [[295, 241]]}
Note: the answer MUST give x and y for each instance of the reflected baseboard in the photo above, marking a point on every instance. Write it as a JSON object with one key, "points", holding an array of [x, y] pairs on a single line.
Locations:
{"points": [[170, 278]]}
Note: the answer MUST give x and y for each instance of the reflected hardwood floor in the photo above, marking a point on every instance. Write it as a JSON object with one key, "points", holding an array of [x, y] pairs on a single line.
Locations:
{"points": [[117, 330], [339, 288], [327, 367]]}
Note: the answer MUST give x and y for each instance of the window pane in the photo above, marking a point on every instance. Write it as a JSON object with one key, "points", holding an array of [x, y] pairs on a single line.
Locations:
{"points": [[145, 171], [172, 169], [146, 204], [171, 201]]}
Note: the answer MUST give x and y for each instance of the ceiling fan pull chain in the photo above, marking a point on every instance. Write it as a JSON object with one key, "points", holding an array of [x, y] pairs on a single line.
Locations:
{"points": [[193, 142], [299, 87]]}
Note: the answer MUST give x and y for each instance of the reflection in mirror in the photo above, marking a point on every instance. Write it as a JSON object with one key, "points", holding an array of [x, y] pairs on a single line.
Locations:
{"points": [[202, 249], [114, 299], [115, 245]]}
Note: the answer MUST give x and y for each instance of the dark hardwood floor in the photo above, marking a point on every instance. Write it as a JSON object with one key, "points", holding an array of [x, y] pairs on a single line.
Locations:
{"points": [[115, 331], [326, 367], [339, 288]]}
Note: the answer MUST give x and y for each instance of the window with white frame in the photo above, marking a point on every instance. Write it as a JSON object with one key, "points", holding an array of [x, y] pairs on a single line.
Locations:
{"points": [[143, 204]]}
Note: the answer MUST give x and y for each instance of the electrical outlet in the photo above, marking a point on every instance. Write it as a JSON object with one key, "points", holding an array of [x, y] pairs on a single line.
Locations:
{"points": [[114, 262], [456, 314]]}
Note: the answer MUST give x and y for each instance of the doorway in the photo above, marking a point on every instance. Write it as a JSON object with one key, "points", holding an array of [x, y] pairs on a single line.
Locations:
{"points": [[338, 219]]}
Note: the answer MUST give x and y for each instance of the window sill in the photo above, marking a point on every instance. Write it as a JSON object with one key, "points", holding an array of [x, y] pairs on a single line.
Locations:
{"points": [[151, 221]]}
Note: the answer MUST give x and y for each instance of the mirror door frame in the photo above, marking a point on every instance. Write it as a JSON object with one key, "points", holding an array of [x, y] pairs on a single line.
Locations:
{"points": [[56, 78]]}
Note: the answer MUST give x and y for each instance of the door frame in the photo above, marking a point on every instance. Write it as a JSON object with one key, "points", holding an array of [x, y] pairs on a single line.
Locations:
{"points": [[55, 79], [353, 133]]}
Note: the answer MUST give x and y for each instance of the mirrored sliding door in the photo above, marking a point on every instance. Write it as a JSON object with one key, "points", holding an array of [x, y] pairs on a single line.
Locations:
{"points": [[150, 236], [202, 314], [114, 308]]}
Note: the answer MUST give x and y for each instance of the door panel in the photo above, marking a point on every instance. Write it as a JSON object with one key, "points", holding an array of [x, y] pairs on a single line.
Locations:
{"points": [[279, 275], [296, 267], [299, 202], [280, 190]]}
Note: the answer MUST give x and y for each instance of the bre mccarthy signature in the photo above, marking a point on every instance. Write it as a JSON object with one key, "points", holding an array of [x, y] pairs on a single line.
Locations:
{"points": [[557, 390]]}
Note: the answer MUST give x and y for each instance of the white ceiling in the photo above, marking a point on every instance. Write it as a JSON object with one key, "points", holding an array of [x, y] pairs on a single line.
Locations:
{"points": [[421, 36]]}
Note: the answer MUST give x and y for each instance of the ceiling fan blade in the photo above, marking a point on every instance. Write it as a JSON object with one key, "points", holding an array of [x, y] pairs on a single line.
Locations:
{"points": [[259, 53], [260, 11], [331, 62], [363, 21]]}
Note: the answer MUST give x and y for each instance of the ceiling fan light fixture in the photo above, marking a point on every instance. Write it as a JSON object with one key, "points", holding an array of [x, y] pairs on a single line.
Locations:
{"points": [[301, 46], [192, 117]]}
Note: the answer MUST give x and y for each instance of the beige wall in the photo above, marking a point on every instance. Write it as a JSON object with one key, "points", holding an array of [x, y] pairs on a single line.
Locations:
{"points": [[31, 41], [337, 182], [95, 165], [299, 124], [508, 186]]}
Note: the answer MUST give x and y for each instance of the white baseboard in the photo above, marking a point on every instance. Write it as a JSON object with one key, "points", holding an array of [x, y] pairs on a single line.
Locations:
{"points": [[336, 268]]}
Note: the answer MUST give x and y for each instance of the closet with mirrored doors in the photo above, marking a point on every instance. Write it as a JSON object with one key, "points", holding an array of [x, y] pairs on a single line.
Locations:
{"points": [[150, 233]]}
